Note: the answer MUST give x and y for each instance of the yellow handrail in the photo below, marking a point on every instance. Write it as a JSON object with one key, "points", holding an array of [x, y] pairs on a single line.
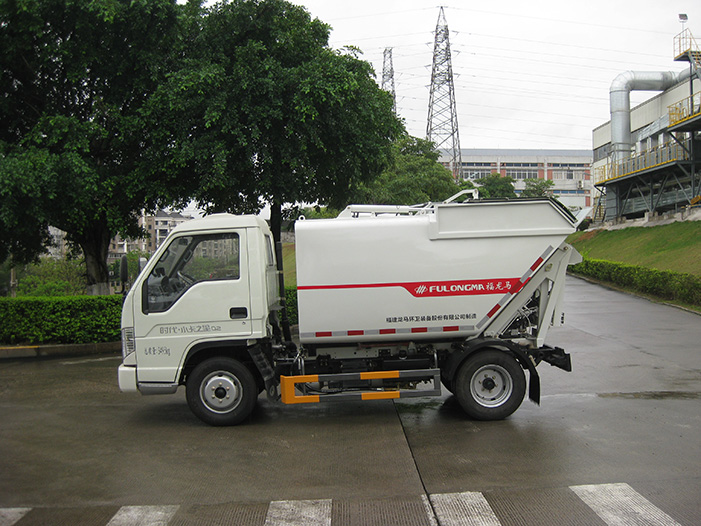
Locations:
{"points": [[684, 42], [658, 156], [685, 108]]}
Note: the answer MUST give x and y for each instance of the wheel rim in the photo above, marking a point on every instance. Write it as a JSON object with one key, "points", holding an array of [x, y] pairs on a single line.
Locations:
{"points": [[221, 392], [491, 385]]}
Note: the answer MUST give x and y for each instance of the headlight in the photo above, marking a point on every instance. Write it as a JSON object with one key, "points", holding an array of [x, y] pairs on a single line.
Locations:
{"points": [[128, 341]]}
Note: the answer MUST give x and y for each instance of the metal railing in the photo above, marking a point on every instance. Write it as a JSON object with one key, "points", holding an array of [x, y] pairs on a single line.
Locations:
{"points": [[684, 109], [685, 43], [658, 156]]}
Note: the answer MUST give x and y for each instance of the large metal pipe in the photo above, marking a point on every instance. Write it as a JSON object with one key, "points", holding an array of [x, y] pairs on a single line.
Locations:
{"points": [[619, 93]]}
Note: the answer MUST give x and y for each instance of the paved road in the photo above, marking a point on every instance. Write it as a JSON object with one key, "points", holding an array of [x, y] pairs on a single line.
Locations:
{"points": [[618, 441]]}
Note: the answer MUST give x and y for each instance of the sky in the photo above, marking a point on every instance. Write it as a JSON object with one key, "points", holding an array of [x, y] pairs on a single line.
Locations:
{"points": [[527, 74]]}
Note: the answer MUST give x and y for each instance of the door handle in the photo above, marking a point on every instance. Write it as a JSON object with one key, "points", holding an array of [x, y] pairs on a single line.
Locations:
{"points": [[238, 313]]}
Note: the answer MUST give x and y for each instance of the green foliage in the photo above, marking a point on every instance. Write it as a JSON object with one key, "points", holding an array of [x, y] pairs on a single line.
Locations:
{"points": [[291, 301], [538, 188], [75, 319], [52, 277], [494, 186], [414, 176], [76, 77], [685, 288], [261, 110]]}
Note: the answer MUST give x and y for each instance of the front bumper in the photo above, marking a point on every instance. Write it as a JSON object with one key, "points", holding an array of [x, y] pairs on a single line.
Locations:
{"points": [[127, 379]]}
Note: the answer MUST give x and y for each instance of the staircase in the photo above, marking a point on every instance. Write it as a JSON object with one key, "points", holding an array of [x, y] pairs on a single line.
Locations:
{"points": [[687, 50]]}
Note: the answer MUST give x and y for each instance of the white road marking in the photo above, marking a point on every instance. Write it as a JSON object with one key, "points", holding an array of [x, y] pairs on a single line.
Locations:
{"points": [[621, 505], [432, 520], [463, 509], [143, 516], [297, 512], [9, 516], [616, 504]]}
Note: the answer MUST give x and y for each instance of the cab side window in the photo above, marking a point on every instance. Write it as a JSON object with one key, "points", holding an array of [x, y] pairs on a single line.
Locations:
{"points": [[187, 261]]}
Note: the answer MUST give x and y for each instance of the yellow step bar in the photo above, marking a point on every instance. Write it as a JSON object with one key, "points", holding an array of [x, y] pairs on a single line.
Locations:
{"points": [[288, 386]]}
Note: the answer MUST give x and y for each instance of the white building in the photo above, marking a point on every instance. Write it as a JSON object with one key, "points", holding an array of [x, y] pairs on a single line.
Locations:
{"points": [[568, 169]]}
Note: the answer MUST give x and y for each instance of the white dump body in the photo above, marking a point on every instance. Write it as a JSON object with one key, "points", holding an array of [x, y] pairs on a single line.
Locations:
{"points": [[442, 272]]}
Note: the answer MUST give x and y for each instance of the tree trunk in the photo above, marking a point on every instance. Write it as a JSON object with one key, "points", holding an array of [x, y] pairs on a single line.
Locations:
{"points": [[95, 245]]}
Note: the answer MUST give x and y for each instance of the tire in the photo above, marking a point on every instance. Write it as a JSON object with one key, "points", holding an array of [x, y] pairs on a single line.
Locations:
{"points": [[221, 391], [490, 385]]}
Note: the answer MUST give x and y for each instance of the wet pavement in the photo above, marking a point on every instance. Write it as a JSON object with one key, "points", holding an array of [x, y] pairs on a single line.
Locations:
{"points": [[622, 430]]}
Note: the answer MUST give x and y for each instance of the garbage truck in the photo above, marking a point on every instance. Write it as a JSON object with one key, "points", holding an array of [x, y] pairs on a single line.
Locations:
{"points": [[392, 302]]}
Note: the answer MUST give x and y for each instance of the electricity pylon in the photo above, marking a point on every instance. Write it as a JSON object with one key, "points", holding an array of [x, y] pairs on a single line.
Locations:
{"points": [[388, 76], [442, 126]]}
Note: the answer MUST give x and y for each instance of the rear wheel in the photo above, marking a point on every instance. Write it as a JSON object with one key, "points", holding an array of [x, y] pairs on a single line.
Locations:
{"points": [[490, 385], [221, 391]]}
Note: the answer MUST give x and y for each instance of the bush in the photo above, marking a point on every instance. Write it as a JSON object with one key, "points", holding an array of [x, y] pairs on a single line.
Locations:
{"points": [[291, 301], [69, 319], [664, 284]]}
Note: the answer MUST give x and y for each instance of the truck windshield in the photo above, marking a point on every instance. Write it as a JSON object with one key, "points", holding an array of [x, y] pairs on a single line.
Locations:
{"points": [[189, 260]]}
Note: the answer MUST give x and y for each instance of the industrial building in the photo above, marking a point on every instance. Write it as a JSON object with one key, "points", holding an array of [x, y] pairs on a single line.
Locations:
{"points": [[568, 169], [647, 159]]}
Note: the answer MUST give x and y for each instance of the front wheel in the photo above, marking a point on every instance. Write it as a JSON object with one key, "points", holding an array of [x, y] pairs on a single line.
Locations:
{"points": [[221, 391], [490, 385]]}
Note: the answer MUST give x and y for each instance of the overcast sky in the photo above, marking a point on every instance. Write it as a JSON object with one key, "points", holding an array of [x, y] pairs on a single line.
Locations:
{"points": [[528, 74]]}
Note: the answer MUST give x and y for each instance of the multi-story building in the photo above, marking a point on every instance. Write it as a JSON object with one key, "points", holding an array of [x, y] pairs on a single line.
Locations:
{"points": [[568, 169], [647, 159], [157, 228]]}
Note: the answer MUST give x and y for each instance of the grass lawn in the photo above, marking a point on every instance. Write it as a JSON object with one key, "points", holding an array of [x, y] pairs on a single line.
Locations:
{"points": [[675, 247]]}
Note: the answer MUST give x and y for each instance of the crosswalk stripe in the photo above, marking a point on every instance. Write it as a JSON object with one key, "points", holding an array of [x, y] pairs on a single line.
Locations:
{"points": [[463, 509], [143, 516], [9, 516], [429, 511], [616, 504], [295, 512], [621, 505]]}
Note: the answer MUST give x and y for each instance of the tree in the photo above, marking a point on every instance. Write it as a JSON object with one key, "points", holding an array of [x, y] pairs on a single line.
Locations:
{"points": [[111, 108], [263, 111], [414, 176], [52, 277], [494, 186], [75, 78], [538, 188]]}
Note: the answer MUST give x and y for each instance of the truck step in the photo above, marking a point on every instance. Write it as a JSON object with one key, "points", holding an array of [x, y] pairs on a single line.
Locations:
{"points": [[290, 396]]}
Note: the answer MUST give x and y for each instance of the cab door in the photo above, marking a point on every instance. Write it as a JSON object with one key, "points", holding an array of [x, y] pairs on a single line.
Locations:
{"points": [[198, 290]]}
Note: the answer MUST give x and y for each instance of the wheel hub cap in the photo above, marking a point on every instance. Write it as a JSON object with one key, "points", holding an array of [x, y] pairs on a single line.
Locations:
{"points": [[220, 392], [491, 385]]}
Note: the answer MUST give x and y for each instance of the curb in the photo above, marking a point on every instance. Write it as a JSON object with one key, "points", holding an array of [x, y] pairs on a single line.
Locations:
{"points": [[51, 351]]}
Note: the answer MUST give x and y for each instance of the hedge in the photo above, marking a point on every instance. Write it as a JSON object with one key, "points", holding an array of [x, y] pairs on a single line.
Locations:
{"points": [[74, 319], [64, 319], [664, 284]]}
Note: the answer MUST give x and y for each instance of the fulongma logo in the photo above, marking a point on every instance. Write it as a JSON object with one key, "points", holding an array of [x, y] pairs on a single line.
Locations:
{"points": [[432, 289]]}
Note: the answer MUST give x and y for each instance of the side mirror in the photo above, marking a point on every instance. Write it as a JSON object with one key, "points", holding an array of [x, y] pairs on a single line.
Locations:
{"points": [[142, 264], [124, 270]]}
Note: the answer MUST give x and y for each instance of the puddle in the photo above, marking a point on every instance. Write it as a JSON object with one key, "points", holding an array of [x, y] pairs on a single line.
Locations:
{"points": [[655, 395]]}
